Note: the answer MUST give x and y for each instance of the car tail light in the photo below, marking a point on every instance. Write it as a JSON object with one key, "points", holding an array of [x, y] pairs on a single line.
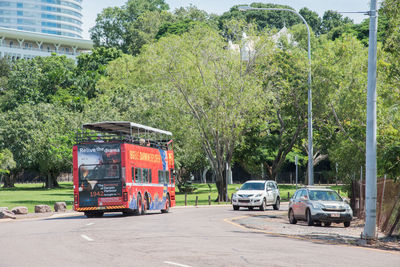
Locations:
{"points": [[125, 197], [76, 198]]}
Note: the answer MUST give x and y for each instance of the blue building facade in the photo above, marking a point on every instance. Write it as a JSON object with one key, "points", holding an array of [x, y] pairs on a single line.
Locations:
{"points": [[56, 17]]}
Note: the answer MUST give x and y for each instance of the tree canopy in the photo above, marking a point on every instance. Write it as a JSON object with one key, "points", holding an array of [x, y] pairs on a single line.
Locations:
{"points": [[182, 71]]}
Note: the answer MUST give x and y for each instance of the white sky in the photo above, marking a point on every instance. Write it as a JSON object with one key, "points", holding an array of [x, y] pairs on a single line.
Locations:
{"points": [[92, 7]]}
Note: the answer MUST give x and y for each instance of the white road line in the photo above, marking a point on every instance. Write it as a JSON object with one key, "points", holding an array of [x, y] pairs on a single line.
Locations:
{"points": [[176, 264], [87, 238], [89, 224]]}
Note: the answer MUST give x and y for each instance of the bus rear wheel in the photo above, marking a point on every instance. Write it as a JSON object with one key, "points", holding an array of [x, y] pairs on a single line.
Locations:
{"points": [[139, 208], [145, 205], [166, 210]]}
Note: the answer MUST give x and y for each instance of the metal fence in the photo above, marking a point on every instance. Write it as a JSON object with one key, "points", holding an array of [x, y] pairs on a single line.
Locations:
{"points": [[387, 204]]}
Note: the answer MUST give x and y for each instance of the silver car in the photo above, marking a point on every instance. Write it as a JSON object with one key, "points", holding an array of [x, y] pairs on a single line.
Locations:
{"points": [[319, 205]]}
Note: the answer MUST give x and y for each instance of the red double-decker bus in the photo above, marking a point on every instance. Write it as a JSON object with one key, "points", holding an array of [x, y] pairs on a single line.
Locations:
{"points": [[123, 167]]}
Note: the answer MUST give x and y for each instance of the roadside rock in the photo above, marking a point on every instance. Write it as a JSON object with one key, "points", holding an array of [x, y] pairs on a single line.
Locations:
{"points": [[60, 207], [3, 208], [42, 208], [20, 210], [6, 214]]}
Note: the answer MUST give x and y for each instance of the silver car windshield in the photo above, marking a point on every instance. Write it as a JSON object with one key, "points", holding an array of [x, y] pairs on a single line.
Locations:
{"points": [[252, 186], [324, 195]]}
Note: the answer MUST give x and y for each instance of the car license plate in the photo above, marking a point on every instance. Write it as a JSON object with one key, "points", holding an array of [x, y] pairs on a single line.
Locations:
{"points": [[335, 215]]}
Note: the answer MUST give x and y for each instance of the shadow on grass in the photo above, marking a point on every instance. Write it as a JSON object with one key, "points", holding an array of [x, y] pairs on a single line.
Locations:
{"points": [[62, 194], [36, 187], [38, 202]]}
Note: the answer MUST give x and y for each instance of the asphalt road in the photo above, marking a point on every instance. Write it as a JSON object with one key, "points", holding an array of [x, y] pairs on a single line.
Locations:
{"points": [[184, 237]]}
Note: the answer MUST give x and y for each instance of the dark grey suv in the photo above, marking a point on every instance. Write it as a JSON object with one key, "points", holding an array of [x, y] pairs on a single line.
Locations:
{"points": [[316, 204]]}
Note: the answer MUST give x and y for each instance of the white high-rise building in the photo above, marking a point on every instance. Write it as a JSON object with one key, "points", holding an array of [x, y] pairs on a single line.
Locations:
{"points": [[30, 28], [59, 17]]}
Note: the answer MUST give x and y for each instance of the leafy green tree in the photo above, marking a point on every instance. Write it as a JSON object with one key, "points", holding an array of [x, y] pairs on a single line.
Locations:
{"points": [[340, 82], [145, 29], [192, 13], [40, 137], [333, 19], [91, 67], [178, 28], [361, 30], [389, 118], [312, 18], [186, 19], [7, 163], [263, 19], [115, 27], [197, 88], [282, 123], [37, 80]]}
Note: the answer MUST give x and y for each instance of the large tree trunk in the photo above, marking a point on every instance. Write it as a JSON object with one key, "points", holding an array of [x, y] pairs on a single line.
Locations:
{"points": [[204, 175], [271, 172], [9, 180], [221, 186], [51, 181]]}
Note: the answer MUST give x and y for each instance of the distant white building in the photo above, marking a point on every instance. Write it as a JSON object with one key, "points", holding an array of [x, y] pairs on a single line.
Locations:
{"points": [[284, 33], [247, 50], [17, 44]]}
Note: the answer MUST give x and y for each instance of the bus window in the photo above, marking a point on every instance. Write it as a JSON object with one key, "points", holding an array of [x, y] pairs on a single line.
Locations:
{"points": [[172, 176], [138, 175], [167, 177], [145, 175], [161, 177], [150, 178], [132, 174]]}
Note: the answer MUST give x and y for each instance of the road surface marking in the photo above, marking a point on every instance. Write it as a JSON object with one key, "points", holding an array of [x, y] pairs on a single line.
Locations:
{"points": [[176, 264], [87, 238], [231, 221], [89, 224]]}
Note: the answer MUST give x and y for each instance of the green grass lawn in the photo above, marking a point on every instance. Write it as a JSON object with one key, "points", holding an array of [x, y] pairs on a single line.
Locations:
{"points": [[29, 195], [203, 192]]}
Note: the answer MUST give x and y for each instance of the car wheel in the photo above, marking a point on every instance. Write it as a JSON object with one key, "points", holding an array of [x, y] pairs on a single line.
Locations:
{"points": [[310, 221], [327, 224], [250, 208], [263, 205], [346, 224], [277, 204], [292, 219], [235, 207]]}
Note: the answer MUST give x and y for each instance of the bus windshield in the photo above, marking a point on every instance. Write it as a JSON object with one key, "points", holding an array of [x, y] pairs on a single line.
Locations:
{"points": [[99, 172]]}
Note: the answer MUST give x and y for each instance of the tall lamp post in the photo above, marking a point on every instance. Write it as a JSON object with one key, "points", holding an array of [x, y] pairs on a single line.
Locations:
{"points": [[370, 169], [310, 130]]}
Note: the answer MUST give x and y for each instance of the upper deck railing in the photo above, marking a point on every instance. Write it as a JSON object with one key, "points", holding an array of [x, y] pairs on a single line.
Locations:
{"points": [[126, 132]]}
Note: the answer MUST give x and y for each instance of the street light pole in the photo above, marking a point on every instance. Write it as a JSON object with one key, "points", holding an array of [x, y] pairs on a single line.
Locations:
{"points": [[370, 157], [310, 129]]}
